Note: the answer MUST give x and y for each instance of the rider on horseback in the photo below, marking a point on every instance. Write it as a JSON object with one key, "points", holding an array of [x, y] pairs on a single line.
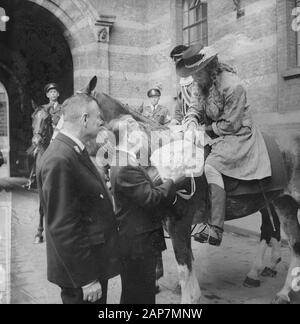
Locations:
{"points": [[238, 150], [45, 126], [46, 114]]}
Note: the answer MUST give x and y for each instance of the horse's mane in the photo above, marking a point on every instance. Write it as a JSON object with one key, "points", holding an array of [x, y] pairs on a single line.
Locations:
{"points": [[127, 110], [115, 109]]}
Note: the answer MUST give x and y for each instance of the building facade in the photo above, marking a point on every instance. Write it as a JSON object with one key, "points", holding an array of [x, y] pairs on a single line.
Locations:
{"points": [[126, 43]]}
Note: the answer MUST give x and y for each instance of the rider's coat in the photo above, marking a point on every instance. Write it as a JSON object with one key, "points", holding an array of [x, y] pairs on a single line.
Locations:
{"points": [[159, 114], [238, 151]]}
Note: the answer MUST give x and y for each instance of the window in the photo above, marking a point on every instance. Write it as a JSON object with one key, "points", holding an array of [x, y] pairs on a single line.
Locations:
{"points": [[298, 38], [195, 22]]}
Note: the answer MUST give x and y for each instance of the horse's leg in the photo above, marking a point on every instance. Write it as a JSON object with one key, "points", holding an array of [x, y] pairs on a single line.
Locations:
{"points": [[39, 235], [159, 271], [180, 233], [287, 210], [252, 280], [275, 241], [39, 238]]}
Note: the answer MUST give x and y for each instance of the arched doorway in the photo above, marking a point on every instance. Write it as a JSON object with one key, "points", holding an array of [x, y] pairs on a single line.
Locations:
{"points": [[33, 52]]}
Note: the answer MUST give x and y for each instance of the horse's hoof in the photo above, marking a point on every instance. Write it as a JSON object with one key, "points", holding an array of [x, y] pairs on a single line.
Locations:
{"points": [[38, 239], [251, 283], [280, 300], [268, 272]]}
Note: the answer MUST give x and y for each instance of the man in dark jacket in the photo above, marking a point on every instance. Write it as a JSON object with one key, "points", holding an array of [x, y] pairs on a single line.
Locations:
{"points": [[139, 214], [81, 232]]}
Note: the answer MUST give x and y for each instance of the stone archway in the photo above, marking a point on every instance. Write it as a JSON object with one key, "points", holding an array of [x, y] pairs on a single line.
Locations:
{"points": [[75, 22], [78, 18]]}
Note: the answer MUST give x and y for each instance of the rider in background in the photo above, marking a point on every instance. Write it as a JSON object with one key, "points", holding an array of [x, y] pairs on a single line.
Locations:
{"points": [[184, 93], [53, 107], [219, 105], [155, 111]]}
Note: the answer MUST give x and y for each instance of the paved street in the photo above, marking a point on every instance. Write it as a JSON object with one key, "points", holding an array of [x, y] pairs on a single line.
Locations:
{"points": [[221, 271]]}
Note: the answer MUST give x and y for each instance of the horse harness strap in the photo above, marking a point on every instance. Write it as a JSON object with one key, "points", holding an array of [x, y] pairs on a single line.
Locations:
{"points": [[183, 193], [267, 204]]}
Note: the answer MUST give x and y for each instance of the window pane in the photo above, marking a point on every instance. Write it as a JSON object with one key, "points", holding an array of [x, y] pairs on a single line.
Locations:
{"points": [[204, 33], [186, 36], [204, 10], [192, 17], [194, 33], [185, 5], [192, 3], [198, 13], [185, 19]]}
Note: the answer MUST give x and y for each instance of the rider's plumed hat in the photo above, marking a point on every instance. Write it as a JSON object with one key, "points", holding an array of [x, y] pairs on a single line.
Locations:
{"points": [[177, 51], [194, 59]]}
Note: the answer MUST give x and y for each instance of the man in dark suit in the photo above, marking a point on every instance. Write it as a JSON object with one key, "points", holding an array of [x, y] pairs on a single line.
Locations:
{"points": [[139, 214], [81, 232]]}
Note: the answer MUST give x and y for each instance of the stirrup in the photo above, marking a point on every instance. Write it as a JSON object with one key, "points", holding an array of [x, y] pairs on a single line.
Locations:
{"points": [[204, 236]]}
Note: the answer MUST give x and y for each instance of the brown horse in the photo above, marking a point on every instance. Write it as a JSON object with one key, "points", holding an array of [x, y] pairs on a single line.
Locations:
{"points": [[285, 202], [42, 134]]}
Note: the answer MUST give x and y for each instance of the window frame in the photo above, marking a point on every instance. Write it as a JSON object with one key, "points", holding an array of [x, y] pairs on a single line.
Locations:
{"points": [[297, 4], [203, 22]]}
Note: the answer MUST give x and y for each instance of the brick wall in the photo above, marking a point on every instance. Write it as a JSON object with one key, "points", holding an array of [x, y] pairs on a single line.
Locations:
{"points": [[145, 31], [139, 48], [250, 44]]}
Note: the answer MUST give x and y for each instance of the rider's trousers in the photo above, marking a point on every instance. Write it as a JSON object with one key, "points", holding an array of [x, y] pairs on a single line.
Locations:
{"points": [[217, 196]]}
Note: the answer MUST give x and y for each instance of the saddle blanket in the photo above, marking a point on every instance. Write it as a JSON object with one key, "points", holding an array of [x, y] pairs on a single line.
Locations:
{"points": [[278, 181]]}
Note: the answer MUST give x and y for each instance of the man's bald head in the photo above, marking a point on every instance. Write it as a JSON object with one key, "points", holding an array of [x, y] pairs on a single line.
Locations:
{"points": [[82, 117]]}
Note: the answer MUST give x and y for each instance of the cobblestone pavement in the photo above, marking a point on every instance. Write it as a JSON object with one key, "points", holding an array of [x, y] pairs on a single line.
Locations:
{"points": [[221, 271]]}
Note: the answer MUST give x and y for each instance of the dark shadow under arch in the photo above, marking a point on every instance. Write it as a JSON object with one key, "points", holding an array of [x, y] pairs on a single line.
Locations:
{"points": [[35, 51]]}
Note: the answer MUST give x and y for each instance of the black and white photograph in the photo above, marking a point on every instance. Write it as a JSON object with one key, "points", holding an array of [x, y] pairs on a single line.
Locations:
{"points": [[150, 154]]}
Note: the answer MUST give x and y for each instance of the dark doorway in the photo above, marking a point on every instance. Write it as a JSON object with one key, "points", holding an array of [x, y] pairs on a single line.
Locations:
{"points": [[33, 52]]}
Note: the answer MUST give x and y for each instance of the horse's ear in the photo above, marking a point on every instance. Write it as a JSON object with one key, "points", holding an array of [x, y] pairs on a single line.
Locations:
{"points": [[92, 85]]}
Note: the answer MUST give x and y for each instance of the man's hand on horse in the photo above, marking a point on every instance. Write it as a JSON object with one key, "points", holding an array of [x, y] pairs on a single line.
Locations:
{"points": [[92, 292]]}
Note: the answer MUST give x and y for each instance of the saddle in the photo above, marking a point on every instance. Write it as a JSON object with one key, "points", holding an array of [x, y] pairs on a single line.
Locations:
{"points": [[277, 182]]}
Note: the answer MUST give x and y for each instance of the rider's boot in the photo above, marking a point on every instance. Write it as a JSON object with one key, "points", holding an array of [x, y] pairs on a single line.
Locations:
{"points": [[212, 232]]}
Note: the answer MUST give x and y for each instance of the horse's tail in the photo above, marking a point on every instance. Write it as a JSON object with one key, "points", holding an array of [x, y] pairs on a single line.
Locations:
{"points": [[290, 148]]}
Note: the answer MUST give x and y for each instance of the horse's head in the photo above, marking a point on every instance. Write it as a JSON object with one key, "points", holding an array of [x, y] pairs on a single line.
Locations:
{"points": [[110, 107], [113, 109]]}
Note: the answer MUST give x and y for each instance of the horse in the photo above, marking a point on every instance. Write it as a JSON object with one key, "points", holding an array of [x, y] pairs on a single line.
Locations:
{"points": [[284, 202], [42, 133]]}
